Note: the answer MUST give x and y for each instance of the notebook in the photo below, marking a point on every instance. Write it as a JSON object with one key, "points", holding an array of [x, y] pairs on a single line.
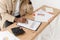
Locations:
{"points": [[33, 25]]}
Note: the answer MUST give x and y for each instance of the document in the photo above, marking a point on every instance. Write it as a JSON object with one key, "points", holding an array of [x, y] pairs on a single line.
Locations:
{"points": [[6, 35], [33, 25], [49, 10], [42, 16]]}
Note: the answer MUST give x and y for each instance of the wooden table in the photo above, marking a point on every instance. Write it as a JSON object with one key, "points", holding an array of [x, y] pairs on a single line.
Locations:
{"points": [[29, 34]]}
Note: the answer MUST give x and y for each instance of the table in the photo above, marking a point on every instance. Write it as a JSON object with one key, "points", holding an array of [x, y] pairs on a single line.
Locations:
{"points": [[29, 34]]}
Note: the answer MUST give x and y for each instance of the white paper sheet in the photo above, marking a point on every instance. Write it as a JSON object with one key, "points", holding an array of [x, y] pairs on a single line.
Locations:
{"points": [[49, 10], [33, 25], [42, 18], [8, 35]]}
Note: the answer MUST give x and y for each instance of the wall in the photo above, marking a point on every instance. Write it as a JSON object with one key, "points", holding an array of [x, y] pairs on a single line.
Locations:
{"points": [[39, 3], [53, 3]]}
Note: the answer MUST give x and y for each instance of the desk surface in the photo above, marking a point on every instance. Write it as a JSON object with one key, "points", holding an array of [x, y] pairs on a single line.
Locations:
{"points": [[29, 34]]}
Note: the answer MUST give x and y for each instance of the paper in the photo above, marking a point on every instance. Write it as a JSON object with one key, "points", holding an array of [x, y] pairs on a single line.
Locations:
{"points": [[49, 10], [33, 25], [42, 16], [8, 35]]}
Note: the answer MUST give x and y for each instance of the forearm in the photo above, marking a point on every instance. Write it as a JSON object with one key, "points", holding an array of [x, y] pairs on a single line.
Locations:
{"points": [[8, 17], [5, 15]]}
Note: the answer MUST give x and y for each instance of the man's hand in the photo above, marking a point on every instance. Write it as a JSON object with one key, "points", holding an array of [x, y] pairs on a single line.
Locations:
{"points": [[22, 20]]}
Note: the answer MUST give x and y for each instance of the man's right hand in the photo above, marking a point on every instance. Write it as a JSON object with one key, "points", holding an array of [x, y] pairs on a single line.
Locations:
{"points": [[21, 19]]}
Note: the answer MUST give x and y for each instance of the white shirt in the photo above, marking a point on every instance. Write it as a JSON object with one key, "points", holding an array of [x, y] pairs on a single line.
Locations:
{"points": [[17, 8]]}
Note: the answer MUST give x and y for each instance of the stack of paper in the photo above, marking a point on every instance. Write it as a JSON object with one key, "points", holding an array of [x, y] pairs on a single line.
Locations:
{"points": [[33, 25], [6, 35], [42, 16]]}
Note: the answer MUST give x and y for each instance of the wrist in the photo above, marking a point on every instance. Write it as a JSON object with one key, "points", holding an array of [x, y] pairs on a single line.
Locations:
{"points": [[15, 19]]}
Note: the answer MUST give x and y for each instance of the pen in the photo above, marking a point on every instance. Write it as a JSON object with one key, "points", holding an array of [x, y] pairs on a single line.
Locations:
{"points": [[41, 14]]}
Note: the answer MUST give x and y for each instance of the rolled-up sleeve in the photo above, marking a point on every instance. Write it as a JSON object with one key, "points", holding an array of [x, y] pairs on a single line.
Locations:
{"points": [[4, 13], [8, 17]]}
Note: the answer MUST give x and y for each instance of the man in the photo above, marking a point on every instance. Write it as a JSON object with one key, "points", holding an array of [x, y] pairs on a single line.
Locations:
{"points": [[8, 10]]}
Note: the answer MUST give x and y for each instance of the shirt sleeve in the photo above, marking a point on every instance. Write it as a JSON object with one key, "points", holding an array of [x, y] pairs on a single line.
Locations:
{"points": [[4, 13]]}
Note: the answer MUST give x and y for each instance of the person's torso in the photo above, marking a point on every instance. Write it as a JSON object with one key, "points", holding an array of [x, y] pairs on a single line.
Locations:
{"points": [[25, 7], [11, 5]]}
